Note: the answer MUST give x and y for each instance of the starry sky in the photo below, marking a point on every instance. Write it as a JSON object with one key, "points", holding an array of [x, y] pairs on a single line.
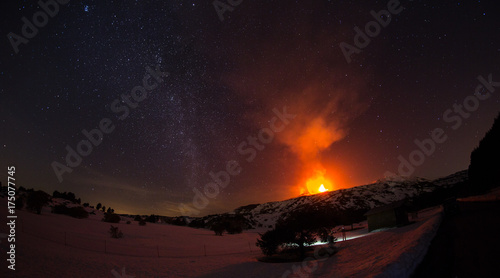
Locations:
{"points": [[225, 76]]}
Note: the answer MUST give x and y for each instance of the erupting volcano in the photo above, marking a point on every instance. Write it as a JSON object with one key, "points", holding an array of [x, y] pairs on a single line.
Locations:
{"points": [[318, 183]]}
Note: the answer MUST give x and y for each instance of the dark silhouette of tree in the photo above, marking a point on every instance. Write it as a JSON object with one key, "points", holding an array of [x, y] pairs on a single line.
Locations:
{"points": [[111, 218], [232, 224], [270, 241], [484, 165], [103, 208], [70, 196], [98, 207], [218, 228], [296, 230], [19, 203], [152, 218], [36, 200], [76, 212]]}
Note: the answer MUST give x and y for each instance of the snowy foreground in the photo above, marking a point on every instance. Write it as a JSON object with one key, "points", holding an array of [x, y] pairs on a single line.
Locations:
{"points": [[41, 251]]}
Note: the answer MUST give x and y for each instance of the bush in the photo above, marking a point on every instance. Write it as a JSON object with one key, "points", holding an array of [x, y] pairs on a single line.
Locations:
{"points": [[128, 222], [76, 212], [152, 218], [19, 203], [232, 224], [115, 232], [218, 228], [36, 200], [233, 227], [179, 221], [137, 218], [111, 218], [270, 241], [295, 230], [70, 196], [142, 222], [197, 223]]}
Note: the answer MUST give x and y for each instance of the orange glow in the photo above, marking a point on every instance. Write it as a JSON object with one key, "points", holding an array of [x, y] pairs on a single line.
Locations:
{"points": [[319, 183]]}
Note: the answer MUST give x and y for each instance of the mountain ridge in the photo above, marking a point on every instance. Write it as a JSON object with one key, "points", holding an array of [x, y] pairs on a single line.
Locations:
{"points": [[354, 200]]}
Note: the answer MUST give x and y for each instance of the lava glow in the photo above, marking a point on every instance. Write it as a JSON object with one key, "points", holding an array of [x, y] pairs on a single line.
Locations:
{"points": [[318, 183]]}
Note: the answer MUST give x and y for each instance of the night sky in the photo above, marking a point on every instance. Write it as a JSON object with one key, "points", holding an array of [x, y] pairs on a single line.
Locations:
{"points": [[222, 79]]}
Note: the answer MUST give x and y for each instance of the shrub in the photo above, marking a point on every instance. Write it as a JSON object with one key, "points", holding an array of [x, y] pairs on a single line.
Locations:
{"points": [[59, 209], [269, 242], [197, 223], [232, 224], [233, 227], [19, 203], [296, 229], [36, 200], [142, 222], [152, 218], [128, 222], [70, 196], [111, 218], [115, 232], [179, 221], [76, 212], [137, 218], [218, 228]]}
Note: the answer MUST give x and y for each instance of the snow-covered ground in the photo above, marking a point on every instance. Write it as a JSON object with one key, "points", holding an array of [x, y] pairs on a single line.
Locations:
{"points": [[41, 250]]}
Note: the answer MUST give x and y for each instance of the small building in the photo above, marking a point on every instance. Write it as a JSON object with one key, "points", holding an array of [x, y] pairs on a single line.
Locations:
{"points": [[391, 215]]}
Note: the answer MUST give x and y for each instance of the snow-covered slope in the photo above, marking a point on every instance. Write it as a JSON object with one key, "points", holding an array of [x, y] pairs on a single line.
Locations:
{"points": [[360, 198]]}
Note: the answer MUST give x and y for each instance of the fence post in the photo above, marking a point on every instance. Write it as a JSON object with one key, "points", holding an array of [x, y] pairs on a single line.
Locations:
{"points": [[65, 239], [205, 249], [158, 250], [105, 249], [250, 248]]}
